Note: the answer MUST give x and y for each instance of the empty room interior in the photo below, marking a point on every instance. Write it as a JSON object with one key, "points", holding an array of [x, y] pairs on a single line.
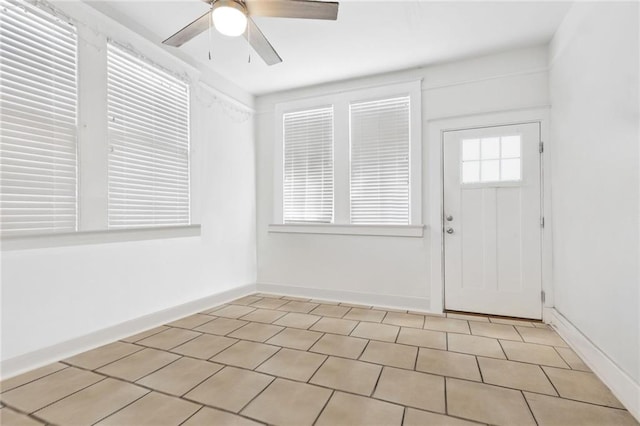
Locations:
{"points": [[331, 213]]}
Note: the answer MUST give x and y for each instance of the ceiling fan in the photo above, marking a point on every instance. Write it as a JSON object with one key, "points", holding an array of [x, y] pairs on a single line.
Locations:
{"points": [[233, 18]]}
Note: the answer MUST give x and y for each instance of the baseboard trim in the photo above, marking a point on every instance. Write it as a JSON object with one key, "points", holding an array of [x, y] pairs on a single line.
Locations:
{"points": [[29, 361], [421, 304], [621, 384]]}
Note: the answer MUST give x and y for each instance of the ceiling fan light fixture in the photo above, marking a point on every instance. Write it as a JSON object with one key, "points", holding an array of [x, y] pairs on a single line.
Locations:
{"points": [[229, 17]]}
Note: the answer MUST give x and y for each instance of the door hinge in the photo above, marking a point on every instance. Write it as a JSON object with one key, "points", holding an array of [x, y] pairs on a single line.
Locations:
{"points": [[542, 222], [542, 296], [541, 147]]}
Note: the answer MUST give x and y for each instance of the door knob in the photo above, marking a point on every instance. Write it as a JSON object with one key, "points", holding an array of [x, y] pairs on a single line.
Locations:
{"points": [[449, 218], [449, 230]]}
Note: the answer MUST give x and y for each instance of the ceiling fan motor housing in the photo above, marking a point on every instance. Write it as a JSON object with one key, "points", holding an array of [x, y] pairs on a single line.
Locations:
{"points": [[235, 4], [229, 17]]}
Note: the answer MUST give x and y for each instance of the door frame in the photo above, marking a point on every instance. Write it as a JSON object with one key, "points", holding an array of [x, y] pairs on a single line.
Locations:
{"points": [[435, 180]]}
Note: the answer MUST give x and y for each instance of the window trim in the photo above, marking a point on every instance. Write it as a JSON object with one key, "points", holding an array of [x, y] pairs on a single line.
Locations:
{"points": [[91, 125], [341, 152], [342, 229], [98, 236]]}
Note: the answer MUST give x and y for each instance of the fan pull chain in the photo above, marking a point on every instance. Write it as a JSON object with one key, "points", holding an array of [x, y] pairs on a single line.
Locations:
{"points": [[249, 41], [210, 35]]}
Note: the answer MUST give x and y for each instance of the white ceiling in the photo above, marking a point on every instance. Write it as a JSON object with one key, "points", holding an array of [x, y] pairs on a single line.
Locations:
{"points": [[369, 37]]}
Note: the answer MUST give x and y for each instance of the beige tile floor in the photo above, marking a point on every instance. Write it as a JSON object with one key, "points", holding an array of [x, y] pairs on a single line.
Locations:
{"points": [[266, 359]]}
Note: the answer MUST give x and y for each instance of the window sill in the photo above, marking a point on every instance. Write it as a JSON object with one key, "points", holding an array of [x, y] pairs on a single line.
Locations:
{"points": [[25, 242], [414, 231]]}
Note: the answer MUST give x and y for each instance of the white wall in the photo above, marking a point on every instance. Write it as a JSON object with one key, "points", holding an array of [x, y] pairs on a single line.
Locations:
{"points": [[594, 68], [57, 294], [386, 270]]}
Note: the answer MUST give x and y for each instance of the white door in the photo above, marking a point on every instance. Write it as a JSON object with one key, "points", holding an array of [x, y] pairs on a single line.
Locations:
{"points": [[492, 217]]}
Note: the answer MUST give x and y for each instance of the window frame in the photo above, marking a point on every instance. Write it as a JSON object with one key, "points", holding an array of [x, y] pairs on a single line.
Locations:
{"points": [[134, 60], [319, 108], [93, 145], [342, 165], [49, 26]]}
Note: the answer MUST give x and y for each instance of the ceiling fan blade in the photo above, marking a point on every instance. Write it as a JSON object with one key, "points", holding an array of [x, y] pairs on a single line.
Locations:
{"points": [[190, 31], [303, 9], [260, 44]]}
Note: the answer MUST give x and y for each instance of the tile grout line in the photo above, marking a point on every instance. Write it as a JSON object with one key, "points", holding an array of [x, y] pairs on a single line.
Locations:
{"points": [[364, 349], [64, 397], [181, 396], [529, 407], [519, 334], [226, 410], [446, 400], [502, 349], [121, 408], [273, 379], [280, 348], [553, 385], [479, 369], [157, 369], [565, 361], [24, 413], [31, 381], [333, 391], [326, 357], [183, 343], [375, 386], [187, 419]]}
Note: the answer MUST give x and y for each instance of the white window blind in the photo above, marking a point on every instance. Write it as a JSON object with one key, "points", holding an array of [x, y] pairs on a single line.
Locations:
{"points": [[308, 166], [38, 96], [149, 144], [380, 149]]}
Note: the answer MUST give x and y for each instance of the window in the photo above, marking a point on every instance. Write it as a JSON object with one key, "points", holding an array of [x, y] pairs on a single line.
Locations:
{"points": [[380, 148], [308, 166], [148, 161], [38, 127], [492, 159], [350, 161]]}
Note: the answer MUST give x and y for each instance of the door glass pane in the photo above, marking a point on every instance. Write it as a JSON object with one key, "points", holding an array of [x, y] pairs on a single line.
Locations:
{"points": [[471, 172], [510, 169], [510, 147], [490, 171], [490, 148], [492, 159], [470, 149]]}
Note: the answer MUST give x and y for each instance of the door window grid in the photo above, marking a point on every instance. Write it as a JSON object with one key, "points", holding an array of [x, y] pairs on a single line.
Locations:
{"points": [[491, 159]]}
